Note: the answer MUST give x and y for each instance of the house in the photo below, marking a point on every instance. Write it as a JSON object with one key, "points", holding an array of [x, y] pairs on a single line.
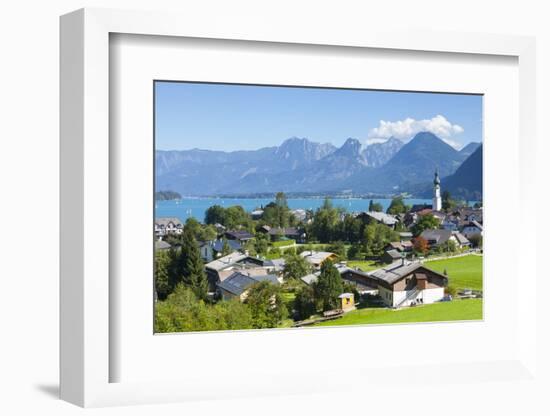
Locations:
{"points": [[219, 269], [299, 214], [167, 225], [419, 207], [162, 245], [290, 233], [257, 214], [400, 246], [239, 235], [405, 236], [316, 258], [347, 302], [390, 256], [379, 217], [211, 249], [436, 238], [463, 242], [238, 284], [363, 283], [403, 284], [472, 228]]}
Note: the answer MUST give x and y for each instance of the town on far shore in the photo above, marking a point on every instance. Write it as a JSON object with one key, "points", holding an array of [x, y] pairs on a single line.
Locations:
{"points": [[276, 267]]}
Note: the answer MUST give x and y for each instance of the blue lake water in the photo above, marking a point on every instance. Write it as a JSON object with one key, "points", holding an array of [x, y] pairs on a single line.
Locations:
{"points": [[196, 207]]}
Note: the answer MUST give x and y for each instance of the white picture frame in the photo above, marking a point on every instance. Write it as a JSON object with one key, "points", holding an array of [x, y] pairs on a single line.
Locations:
{"points": [[87, 356]]}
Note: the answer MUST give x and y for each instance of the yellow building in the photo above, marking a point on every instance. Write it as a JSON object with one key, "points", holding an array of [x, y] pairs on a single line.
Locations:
{"points": [[347, 301]]}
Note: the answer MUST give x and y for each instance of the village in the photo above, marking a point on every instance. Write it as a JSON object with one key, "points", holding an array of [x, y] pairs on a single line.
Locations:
{"points": [[277, 267]]}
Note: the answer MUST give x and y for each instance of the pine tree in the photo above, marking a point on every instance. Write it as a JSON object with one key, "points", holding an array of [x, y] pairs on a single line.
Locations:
{"points": [[192, 265], [328, 287]]}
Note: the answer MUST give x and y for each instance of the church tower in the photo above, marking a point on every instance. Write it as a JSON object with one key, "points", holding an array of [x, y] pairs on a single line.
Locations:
{"points": [[436, 203]]}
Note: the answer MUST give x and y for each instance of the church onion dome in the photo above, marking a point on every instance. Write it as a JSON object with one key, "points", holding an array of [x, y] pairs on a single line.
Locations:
{"points": [[436, 179]]}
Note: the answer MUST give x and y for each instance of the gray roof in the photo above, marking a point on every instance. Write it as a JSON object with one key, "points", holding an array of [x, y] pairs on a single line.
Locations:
{"points": [[438, 236], [382, 217], [310, 278], [226, 261], [162, 245], [217, 245], [239, 234], [237, 283], [284, 231], [395, 271], [461, 238], [394, 254]]}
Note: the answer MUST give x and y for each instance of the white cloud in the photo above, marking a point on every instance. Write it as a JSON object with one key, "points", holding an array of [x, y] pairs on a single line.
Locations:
{"points": [[406, 129]]}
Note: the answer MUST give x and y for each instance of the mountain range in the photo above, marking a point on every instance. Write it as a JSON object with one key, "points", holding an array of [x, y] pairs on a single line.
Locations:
{"points": [[302, 166]]}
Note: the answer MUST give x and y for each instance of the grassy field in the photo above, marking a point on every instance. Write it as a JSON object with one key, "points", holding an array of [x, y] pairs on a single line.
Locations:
{"points": [[365, 265], [457, 310], [283, 243], [463, 272]]}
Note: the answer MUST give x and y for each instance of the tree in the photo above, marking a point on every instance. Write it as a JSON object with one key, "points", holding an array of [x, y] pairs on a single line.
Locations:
{"points": [[295, 267], [375, 206], [261, 243], [351, 228], [376, 237], [338, 248], [397, 206], [325, 222], [266, 305], [183, 311], [192, 265], [207, 233], [425, 222], [476, 240], [193, 226], [163, 283], [447, 203], [420, 245], [354, 252], [215, 215], [328, 287], [304, 302], [226, 248], [449, 246]]}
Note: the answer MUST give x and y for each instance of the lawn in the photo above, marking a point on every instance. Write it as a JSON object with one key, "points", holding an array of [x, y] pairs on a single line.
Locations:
{"points": [[457, 310], [283, 243], [463, 272], [365, 265]]}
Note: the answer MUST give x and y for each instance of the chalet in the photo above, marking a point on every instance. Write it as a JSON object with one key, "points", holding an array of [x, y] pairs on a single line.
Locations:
{"points": [[211, 249], [405, 236], [237, 285], [167, 225], [472, 228], [316, 258], [403, 284], [239, 235], [390, 256]]}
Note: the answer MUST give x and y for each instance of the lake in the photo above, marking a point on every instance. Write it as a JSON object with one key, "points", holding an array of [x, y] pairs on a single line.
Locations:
{"points": [[196, 207]]}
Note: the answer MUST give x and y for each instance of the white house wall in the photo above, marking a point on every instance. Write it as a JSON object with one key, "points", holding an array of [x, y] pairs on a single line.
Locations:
{"points": [[393, 299]]}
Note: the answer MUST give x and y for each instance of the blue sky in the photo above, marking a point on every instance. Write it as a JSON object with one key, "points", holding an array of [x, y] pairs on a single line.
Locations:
{"points": [[242, 117]]}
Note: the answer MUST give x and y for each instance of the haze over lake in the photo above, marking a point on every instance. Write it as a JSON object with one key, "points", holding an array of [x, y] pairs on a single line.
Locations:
{"points": [[196, 207]]}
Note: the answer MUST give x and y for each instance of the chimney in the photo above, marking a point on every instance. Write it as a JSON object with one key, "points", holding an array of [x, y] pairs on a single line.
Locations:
{"points": [[403, 255]]}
